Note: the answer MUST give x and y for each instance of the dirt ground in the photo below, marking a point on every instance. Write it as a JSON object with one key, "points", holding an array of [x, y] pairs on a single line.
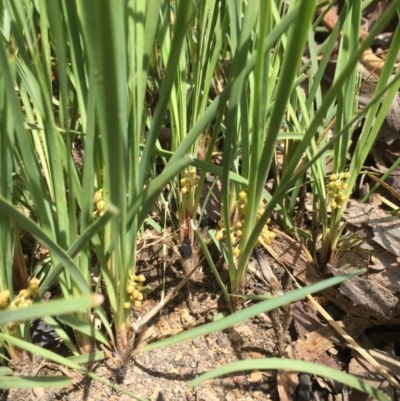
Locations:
{"points": [[164, 374]]}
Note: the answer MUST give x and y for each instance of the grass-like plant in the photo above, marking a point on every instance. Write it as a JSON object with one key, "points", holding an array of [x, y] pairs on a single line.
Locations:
{"points": [[101, 99], [85, 92], [283, 95]]}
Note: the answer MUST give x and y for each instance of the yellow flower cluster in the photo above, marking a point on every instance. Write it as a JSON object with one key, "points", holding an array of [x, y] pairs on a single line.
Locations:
{"points": [[4, 299], [337, 187], [23, 299], [99, 203], [236, 230], [134, 288], [190, 180]]}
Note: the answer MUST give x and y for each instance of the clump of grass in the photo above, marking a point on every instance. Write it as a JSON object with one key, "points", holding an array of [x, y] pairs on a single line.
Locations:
{"points": [[232, 72]]}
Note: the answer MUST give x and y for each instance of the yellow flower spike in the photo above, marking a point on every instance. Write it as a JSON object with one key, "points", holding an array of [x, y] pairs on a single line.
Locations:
{"points": [[334, 205], [242, 195], [23, 293], [141, 278], [219, 235], [127, 305], [4, 298], [183, 182], [347, 175], [21, 304], [342, 197], [184, 190], [333, 177], [239, 233], [236, 252], [345, 187], [34, 283], [130, 289], [98, 195], [139, 297], [138, 304], [266, 239], [233, 238], [135, 293], [238, 224], [101, 205]]}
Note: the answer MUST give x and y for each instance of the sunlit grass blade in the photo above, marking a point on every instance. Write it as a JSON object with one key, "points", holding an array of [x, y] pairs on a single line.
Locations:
{"points": [[248, 313], [69, 363], [55, 307], [83, 327], [293, 365], [14, 382]]}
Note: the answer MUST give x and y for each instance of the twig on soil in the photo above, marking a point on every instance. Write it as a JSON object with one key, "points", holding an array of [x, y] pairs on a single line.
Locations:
{"points": [[347, 337], [163, 302], [276, 289]]}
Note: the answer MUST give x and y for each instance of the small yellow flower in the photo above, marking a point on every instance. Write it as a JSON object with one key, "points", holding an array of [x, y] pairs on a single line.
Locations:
{"points": [[141, 278], [23, 293], [98, 195], [242, 195], [34, 283], [101, 205], [220, 235], [4, 298]]}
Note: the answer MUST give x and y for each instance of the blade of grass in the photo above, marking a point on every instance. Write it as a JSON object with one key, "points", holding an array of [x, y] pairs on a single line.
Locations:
{"points": [[248, 313], [292, 365], [11, 382], [49, 308], [34, 349]]}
